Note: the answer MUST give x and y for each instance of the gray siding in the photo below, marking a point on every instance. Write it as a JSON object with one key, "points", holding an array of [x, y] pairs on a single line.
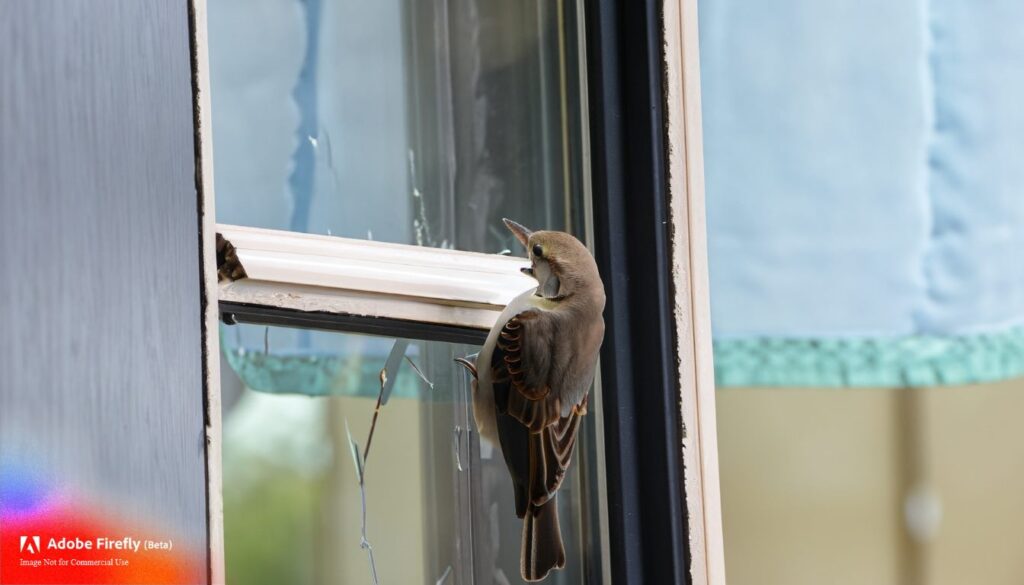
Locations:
{"points": [[100, 338]]}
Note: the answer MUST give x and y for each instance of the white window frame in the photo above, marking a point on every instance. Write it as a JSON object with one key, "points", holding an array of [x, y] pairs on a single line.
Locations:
{"points": [[314, 273], [692, 301]]}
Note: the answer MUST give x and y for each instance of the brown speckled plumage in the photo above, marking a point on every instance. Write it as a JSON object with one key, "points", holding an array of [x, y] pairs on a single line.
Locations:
{"points": [[533, 375]]}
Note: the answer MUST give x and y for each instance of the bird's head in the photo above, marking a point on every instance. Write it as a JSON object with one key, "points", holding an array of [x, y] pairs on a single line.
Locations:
{"points": [[561, 264]]}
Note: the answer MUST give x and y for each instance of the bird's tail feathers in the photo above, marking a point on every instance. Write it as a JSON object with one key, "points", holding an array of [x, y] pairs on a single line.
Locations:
{"points": [[543, 550]]}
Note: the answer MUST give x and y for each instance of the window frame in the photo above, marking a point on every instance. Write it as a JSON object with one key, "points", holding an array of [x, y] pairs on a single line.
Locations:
{"points": [[203, 152], [646, 178], [665, 511]]}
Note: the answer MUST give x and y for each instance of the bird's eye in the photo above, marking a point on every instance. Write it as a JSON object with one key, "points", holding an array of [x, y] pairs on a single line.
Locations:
{"points": [[538, 251]]}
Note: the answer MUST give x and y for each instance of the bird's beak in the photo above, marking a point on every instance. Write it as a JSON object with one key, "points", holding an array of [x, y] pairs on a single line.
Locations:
{"points": [[527, 270], [521, 233]]}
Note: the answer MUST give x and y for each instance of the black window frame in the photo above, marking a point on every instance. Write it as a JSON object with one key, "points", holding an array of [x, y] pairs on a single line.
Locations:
{"points": [[643, 429]]}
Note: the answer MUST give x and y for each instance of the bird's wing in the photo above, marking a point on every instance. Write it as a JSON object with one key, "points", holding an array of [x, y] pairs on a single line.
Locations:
{"points": [[536, 439]]}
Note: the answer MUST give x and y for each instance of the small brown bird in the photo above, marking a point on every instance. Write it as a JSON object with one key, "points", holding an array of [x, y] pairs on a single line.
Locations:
{"points": [[531, 382]]}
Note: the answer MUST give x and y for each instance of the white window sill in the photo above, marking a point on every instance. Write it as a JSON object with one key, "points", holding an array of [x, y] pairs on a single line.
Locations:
{"points": [[314, 273]]}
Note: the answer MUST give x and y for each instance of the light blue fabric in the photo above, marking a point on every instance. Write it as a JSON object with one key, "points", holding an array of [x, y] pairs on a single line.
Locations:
{"points": [[975, 260], [305, 136], [864, 165]]}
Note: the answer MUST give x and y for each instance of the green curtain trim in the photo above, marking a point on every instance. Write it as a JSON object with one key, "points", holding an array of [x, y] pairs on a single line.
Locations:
{"points": [[913, 361], [318, 375]]}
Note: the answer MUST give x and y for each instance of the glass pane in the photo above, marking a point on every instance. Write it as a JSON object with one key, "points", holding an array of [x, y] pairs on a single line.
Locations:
{"points": [[439, 505], [410, 121]]}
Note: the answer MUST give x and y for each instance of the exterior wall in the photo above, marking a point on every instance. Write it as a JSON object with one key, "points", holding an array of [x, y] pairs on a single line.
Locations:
{"points": [[101, 372]]}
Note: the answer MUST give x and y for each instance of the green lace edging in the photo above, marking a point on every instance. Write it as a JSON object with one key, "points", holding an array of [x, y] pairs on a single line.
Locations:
{"points": [[912, 361], [315, 375]]}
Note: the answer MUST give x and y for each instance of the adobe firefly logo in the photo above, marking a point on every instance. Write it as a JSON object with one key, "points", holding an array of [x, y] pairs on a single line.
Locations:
{"points": [[29, 544]]}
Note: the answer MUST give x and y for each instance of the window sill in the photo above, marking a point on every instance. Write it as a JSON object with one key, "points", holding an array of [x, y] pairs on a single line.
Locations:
{"points": [[306, 273]]}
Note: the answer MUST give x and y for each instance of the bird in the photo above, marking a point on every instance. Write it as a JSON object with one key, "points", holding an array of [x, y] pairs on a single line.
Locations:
{"points": [[531, 382]]}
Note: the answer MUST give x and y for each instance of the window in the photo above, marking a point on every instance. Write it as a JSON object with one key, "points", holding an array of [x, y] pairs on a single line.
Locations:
{"points": [[362, 156], [367, 120]]}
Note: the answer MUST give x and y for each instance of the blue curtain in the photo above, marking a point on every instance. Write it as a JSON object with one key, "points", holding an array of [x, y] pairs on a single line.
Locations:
{"points": [[864, 188]]}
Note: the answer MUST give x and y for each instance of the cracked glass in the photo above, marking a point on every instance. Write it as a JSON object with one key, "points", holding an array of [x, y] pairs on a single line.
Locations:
{"points": [[439, 505], [405, 121], [420, 122]]}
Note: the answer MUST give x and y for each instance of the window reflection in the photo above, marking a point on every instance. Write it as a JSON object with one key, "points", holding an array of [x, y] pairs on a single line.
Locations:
{"points": [[438, 501], [408, 121]]}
